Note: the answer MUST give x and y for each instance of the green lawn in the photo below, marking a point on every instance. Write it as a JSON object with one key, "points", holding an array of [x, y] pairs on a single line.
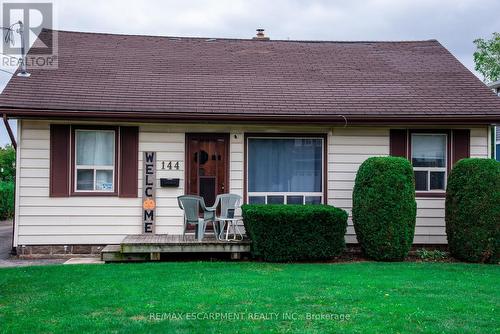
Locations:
{"points": [[372, 298]]}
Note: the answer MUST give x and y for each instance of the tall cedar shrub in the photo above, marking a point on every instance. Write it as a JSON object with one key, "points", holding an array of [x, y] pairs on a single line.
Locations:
{"points": [[473, 210], [384, 208], [283, 233], [6, 199]]}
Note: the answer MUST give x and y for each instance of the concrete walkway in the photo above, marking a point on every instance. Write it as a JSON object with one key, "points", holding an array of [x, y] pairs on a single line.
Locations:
{"points": [[84, 260], [6, 246], [5, 239]]}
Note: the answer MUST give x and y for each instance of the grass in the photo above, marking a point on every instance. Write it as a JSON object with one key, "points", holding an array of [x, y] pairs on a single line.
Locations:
{"points": [[375, 297]]}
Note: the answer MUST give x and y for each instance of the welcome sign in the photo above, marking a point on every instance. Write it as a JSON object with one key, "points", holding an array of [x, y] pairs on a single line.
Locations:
{"points": [[149, 192]]}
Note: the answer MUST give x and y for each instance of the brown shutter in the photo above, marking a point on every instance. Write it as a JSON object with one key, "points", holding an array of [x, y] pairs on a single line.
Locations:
{"points": [[59, 160], [461, 145], [398, 143], [129, 161]]}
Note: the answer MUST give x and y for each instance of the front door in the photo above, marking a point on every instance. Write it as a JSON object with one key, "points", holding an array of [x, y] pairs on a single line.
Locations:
{"points": [[207, 165]]}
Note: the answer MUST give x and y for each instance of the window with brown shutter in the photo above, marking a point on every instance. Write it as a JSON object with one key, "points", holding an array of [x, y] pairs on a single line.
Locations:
{"points": [[59, 160], [432, 154], [398, 143], [129, 161], [461, 144], [93, 161]]}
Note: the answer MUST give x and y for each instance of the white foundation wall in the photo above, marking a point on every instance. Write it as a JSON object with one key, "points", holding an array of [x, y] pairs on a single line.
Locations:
{"points": [[42, 220]]}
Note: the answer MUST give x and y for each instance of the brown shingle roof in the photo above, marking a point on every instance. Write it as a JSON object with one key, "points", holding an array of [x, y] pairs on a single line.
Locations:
{"points": [[196, 77]]}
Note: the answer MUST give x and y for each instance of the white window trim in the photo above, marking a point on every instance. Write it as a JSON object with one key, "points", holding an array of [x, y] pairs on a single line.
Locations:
{"points": [[495, 153], [496, 129], [94, 167], [285, 194], [433, 169]]}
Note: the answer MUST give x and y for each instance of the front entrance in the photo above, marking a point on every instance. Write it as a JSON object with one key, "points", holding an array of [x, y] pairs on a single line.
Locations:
{"points": [[207, 172]]}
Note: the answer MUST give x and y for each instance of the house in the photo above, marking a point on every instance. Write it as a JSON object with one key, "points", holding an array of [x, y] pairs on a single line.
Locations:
{"points": [[273, 121], [497, 143], [495, 86]]}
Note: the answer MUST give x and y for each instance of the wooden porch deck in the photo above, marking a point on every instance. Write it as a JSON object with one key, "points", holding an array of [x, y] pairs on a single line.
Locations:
{"points": [[143, 247]]}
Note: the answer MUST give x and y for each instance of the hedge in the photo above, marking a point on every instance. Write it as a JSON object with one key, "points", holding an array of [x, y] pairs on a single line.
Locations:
{"points": [[6, 200], [384, 208], [282, 233], [473, 210]]}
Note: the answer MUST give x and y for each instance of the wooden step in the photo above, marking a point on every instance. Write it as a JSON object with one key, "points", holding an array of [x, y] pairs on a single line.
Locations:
{"points": [[173, 243], [149, 247], [113, 253]]}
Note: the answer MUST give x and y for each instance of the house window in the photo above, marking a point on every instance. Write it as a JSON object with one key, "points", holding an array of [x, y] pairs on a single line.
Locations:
{"points": [[429, 158], [95, 160], [285, 170]]}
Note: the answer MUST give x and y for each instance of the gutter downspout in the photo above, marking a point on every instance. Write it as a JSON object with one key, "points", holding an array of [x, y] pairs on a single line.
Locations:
{"points": [[14, 144], [9, 131]]}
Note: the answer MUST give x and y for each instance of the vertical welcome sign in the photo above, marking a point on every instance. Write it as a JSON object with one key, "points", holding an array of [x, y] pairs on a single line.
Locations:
{"points": [[149, 192]]}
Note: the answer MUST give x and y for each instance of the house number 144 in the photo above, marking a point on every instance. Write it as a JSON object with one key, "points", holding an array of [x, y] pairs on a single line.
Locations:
{"points": [[170, 165]]}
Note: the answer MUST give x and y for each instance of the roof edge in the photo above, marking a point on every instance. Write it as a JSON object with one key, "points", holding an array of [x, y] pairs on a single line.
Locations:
{"points": [[239, 39], [124, 116]]}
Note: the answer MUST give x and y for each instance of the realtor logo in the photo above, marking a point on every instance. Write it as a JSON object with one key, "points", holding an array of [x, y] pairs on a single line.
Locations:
{"points": [[27, 20]]}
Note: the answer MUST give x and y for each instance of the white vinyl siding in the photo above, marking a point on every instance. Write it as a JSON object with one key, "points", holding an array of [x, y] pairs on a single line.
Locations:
{"points": [[41, 219], [349, 147], [103, 220], [236, 152], [92, 220], [479, 147]]}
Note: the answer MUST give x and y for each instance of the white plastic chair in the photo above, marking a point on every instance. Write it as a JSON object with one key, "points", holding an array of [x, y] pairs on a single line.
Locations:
{"points": [[191, 205], [229, 203]]}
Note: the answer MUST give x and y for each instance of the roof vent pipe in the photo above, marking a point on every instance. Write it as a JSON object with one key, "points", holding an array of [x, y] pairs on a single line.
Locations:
{"points": [[260, 35]]}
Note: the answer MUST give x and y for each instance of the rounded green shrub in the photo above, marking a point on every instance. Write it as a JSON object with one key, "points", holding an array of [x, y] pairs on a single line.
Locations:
{"points": [[473, 210], [384, 208]]}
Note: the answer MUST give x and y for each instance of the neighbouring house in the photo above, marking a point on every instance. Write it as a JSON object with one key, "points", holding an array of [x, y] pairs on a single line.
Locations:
{"points": [[273, 121], [495, 86], [497, 143]]}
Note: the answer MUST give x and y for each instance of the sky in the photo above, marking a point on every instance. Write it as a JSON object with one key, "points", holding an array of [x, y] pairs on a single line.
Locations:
{"points": [[455, 23]]}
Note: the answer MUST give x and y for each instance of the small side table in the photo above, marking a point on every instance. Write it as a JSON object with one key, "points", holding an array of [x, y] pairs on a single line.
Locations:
{"points": [[231, 223]]}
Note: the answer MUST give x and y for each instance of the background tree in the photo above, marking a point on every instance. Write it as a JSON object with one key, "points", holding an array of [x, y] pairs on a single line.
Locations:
{"points": [[7, 163], [7, 172], [487, 57]]}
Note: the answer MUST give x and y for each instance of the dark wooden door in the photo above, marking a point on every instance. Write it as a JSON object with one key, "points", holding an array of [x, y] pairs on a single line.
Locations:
{"points": [[207, 165]]}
